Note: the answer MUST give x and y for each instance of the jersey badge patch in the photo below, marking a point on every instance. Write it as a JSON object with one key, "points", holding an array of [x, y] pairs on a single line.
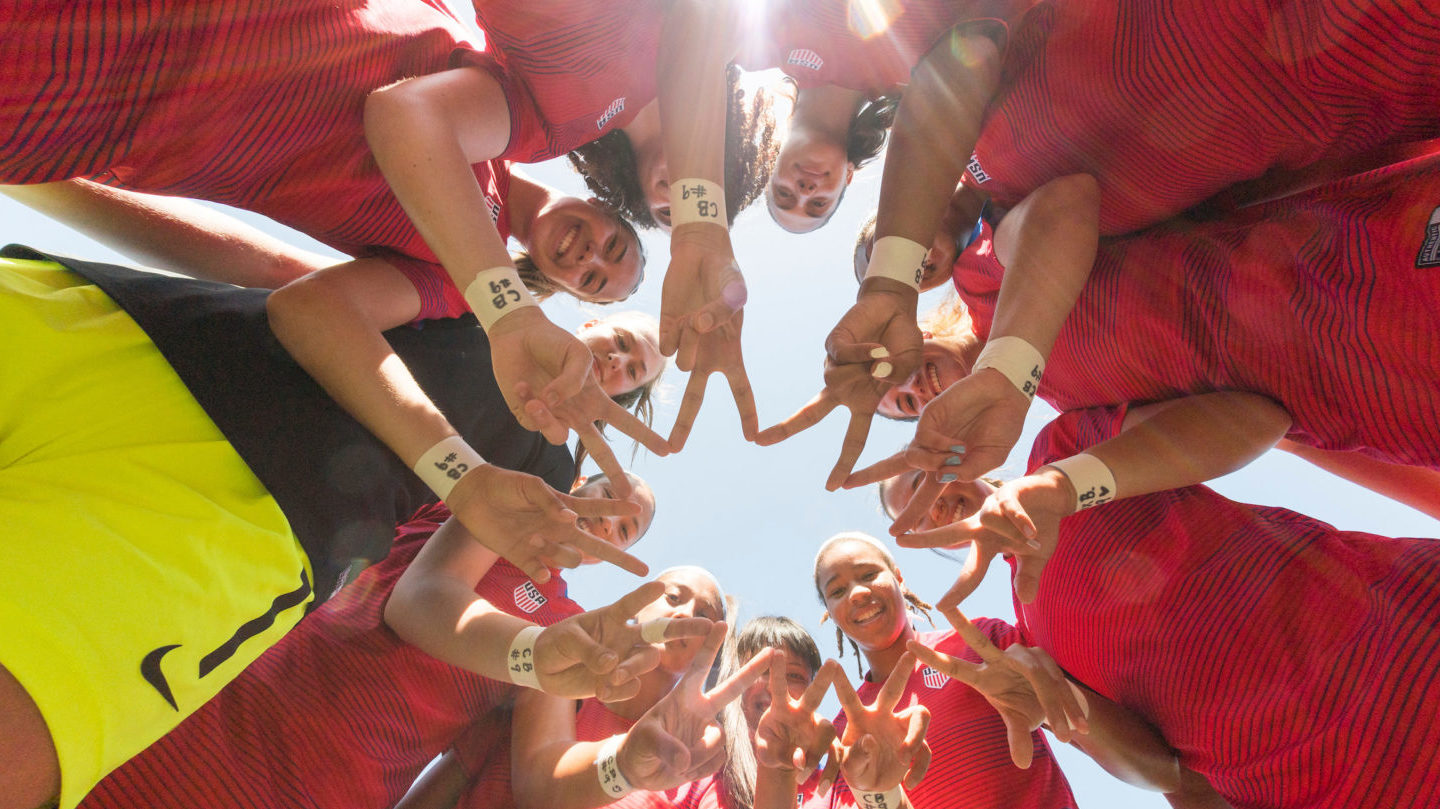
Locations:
{"points": [[1430, 248], [934, 678], [528, 597], [976, 171], [804, 57], [616, 107]]}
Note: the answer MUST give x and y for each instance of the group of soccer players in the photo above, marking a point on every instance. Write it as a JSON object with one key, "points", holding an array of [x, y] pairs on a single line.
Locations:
{"points": [[1199, 230]]}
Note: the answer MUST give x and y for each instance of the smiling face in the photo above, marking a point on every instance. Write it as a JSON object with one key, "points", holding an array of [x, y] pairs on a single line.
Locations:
{"points": [[690, 592], [957, 500], [627, 353], [585, 250], [622, 532], [810, 174], [863, 594], [757, 697], [941, 365]]}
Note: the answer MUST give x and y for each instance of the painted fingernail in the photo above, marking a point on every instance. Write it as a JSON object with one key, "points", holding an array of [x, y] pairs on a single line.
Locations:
{"points": [[957, 448], [879, 353], [949, 477], [1035, 544], [954, 461], [882, 370]]}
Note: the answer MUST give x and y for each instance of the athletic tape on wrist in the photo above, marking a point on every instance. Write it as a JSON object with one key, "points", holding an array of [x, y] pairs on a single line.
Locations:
{"points": [[607, 768], [520, 662], [696, 200], [889, 799], [1093, 481], [1019, 361], [653, 631], [495, 293], [442, 466], [899, 259]]}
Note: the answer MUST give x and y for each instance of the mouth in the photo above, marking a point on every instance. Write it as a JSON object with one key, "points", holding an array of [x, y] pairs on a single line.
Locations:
{"points": [[943, 511], [567, 241], [867, 614], [932, 376]]}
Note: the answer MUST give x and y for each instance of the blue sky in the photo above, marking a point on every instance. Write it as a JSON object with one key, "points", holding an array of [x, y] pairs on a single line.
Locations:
{"points": [[754, 516]]}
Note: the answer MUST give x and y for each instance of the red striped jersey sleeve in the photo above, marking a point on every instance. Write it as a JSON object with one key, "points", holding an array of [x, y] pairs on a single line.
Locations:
{"points": [[970, 756], [1167, 104], [586, 66], [870, 47], [1310, 299], [340, 713], [1288, 662]]}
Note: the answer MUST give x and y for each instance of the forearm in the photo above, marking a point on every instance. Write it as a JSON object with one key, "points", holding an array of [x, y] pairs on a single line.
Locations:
{"points": [[1047, 245], [697, 42], [425, 134], [171, 233], [936, 126], [329, 328], [774, 788], [1189, 441], [1416, 487], [1127, 747]]}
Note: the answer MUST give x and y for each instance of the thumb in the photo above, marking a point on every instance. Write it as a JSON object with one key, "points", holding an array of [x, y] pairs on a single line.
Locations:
{"points": [[574, 373], [719, 311]]}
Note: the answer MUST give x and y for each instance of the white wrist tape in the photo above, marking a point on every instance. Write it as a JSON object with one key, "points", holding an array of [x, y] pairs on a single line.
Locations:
{"points": [[889, 799], [1019, 361], [696, 200], [521, 660], [442, 466], [495, 293], [612, 781], [898, 259], [1093, 481], [653, 631]]}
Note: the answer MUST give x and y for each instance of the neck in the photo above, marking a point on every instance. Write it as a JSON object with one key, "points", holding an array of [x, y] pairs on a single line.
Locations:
{"points": [[827, 111], [525, 201], [654, 685], [883, 660]]}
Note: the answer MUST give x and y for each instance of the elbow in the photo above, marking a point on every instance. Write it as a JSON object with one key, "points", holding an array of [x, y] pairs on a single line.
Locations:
{"points": [[292, 307], [386, 111], [1067, 201]]}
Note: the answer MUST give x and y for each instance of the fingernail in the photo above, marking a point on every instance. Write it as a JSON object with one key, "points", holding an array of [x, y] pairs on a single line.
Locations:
{"points": [[954, 461], [949, 477], [957, 448], [1034, 544], [879, 353], [882, 370], [704, 321]]}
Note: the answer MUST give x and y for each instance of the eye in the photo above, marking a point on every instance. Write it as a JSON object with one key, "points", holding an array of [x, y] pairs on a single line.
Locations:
{"points": [[633, 369], [836, 593], [664, 216], [625, 531], [587, 282], [869, 575], [621, 342], [673, 598]]}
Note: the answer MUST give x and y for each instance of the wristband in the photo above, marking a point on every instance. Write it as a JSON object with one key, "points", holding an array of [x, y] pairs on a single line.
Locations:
{"points": [[1019, 361], [495, 293], [1093, 481], [889, 799], [698, 201], [521, 660], [442, 466], [899, 259], [612, 782], [653, 631]]}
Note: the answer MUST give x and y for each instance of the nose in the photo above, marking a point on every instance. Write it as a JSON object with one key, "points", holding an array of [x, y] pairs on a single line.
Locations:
{"points": [[600, 527], [805, 184], [616, 360]]}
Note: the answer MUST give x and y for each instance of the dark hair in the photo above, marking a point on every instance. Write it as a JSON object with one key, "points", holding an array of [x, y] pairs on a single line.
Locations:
{"points": [[612, 174], [542, 287], [870, 128], [779, 632]]}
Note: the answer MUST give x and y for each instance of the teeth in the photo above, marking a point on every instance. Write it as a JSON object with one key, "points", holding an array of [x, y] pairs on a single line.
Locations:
{"points": [[567, 240], [862, 617], [934, 375]]}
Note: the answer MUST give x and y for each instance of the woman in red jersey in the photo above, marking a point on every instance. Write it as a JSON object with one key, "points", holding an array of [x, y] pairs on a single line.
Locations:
{"points": [[865, 595], [1314, 300], [1214, 619]]}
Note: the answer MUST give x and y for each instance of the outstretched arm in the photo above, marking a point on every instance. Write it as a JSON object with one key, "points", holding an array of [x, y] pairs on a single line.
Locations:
{"points": [[1416, 487], [171, 233]]}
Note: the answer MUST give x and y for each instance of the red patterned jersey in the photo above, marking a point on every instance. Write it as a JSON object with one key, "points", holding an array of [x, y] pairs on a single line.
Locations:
{"points": [[341, 713], [970, 757], [1312, 300], [1167, 103], [1288, 662]]}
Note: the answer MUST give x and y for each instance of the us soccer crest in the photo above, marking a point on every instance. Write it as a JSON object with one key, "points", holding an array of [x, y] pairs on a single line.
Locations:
{"points": [[934, 678], [528, 597]]}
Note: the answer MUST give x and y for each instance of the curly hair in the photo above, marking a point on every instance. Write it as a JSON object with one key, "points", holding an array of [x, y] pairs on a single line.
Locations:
{"points": [[612, 173]]}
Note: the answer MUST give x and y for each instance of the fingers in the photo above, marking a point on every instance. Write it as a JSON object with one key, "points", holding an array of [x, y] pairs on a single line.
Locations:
{"points": [[778, 689], [705, 657], [976, 566], [829, 771], [537, 417], [973, 637], [881, 470], [849, 700], [682, 628], [954, 667], [575, 372], [598, 506], [918, 766], [735, 685], [806, 417], [1022, 744], [689, 409], [1028, 570], [744, 399], [1058, 697], [670, 328], [919, 505], [843, 351], [850, 448], [815, 692], [627, 423], [604, 458], [689, 348], [895, 683], [630, 603], [638, 660], [605, 552], [913, 747], [718, 312]]}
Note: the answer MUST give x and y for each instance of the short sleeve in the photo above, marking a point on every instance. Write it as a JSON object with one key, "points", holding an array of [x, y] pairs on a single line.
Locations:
{"points": [[1075, 432], [439, 297]]}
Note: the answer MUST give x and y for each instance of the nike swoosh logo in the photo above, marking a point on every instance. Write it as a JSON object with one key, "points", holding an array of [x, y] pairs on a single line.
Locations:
{"points": [[151, 671], [150, 668]]}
